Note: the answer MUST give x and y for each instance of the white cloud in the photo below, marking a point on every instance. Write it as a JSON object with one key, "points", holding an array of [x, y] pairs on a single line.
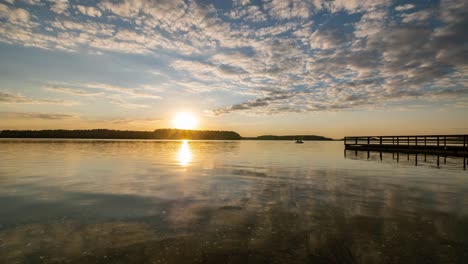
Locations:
{"points": [[18, 16], [404, 7], [16, 98], [288, 9], [60, 6], [89, 10], [72, 91], [273, 54], [422, 15], [35, 115]]}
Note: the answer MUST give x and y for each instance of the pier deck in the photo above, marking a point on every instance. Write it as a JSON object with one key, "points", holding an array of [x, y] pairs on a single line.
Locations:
{"points": [[438, 145]]}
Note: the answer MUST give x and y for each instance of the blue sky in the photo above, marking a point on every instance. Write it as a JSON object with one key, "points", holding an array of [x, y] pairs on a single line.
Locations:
{"points": [[333, 68]]}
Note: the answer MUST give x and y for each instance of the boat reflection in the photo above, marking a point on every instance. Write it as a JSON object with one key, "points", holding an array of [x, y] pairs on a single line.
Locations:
{"points": [[184, 156]]}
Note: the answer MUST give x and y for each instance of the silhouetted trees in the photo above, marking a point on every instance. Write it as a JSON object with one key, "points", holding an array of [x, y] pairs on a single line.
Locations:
{"points": [[119, 134]]}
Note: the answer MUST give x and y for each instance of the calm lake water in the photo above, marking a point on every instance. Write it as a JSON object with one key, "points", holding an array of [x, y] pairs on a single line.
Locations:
{"points": [[107, 201]]}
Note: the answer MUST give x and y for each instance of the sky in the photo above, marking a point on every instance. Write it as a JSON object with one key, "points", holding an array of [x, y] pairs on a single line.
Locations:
{"points": [[324, 67]]}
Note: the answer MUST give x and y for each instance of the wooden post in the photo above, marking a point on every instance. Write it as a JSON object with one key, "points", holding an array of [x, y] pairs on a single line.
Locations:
{"points": [[368, 140], [437, 141], [416, 160], [438, 160], [345, 141], [380, 140], [355, 140], [368, 154], [408, 141], [380, 155]]}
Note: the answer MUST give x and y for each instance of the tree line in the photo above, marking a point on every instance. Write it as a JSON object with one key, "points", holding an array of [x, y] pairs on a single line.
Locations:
{"points": [[123, 134]]}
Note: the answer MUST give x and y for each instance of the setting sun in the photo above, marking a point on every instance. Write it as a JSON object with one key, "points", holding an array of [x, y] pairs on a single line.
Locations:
{"points": [[185, 120]]}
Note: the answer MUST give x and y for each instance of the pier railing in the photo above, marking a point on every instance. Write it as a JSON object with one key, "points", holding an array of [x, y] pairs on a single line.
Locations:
{"points": [[415, 140], [438, 145]]}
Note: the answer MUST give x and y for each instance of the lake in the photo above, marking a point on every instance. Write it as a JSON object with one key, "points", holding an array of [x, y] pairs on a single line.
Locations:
{"points": [[130, 201]]}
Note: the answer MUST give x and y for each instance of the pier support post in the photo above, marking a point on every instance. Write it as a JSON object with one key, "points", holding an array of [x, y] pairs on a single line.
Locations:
{"points": [[438, 160], [416, 160], [380, 155]]}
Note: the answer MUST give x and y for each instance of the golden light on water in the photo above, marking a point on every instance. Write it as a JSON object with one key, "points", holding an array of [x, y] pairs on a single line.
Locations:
{"points": [[184, 156], [185, 120]]}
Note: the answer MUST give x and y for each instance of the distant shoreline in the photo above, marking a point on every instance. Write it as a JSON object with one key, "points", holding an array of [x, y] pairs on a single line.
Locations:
{"points": [[164, 134]]}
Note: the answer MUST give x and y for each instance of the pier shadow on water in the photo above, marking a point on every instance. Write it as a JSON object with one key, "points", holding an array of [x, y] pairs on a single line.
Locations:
{"points": [[414, 159]]}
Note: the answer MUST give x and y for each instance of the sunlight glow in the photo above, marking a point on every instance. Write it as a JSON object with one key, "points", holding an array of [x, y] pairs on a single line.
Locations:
{"points": [[184, 156], [185, 120]]}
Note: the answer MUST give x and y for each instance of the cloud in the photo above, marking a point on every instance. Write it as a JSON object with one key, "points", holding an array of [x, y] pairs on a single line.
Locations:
{"points": [[31, 115], [267, 56], [281, 9], [422, 15], [17, 16], [260, 102], [118, 121], [328, 38], [404, 7], [15, 98], [89, 10], [60, 6], [126, 104], [72, 91], [134, 92]]}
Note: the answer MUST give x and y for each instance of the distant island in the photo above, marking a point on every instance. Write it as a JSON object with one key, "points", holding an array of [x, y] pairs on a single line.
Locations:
{"points": [[123, 134], [291, 137]]}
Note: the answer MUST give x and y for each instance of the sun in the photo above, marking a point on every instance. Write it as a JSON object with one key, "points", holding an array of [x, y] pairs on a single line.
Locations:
{"points": [[185, 120]]}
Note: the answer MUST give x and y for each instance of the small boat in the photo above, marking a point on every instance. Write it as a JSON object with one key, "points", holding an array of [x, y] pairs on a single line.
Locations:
{"points": [[299, 141]]}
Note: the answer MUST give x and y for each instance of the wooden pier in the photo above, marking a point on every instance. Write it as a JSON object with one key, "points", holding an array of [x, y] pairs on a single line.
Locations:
{"points": [[437, 145]]}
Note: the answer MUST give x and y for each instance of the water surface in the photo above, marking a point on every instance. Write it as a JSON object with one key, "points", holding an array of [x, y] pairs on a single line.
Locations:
{"points": [[127, 201]]}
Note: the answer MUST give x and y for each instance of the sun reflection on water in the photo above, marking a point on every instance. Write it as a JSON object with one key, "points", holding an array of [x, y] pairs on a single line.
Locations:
{"points": [[184, 156]]}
